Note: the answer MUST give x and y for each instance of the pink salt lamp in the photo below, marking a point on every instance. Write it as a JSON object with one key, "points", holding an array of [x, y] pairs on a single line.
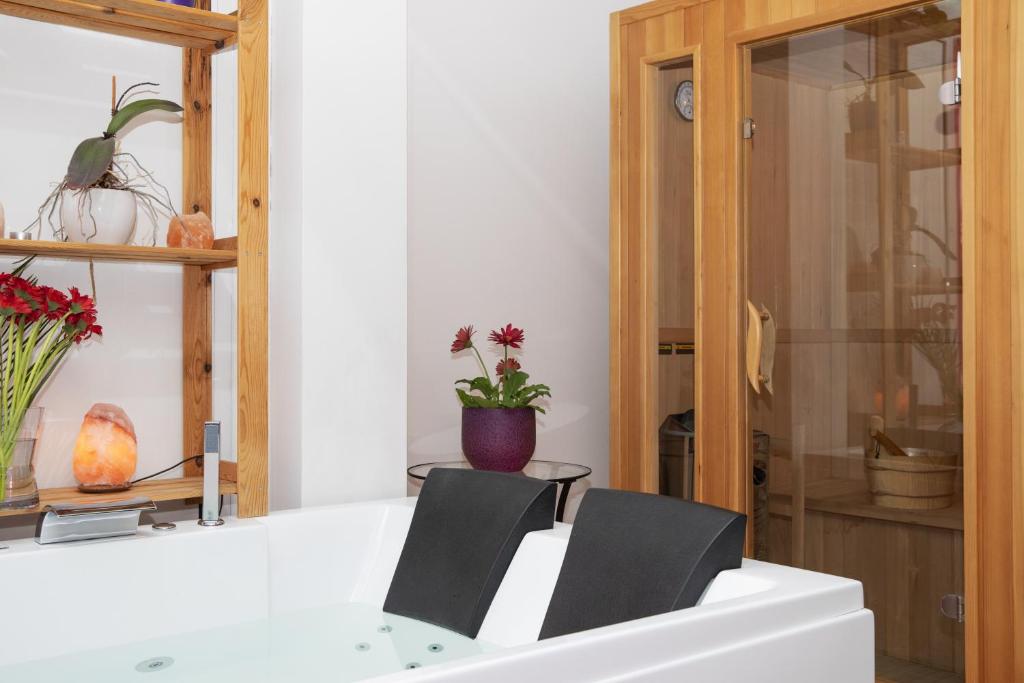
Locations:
{"points": [[190, 231], [106, 450]]}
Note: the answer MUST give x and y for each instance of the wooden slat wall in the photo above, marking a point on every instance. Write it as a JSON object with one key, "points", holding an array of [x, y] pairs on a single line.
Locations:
{"points": [[993, 31], [253, 206], [197, 195]]}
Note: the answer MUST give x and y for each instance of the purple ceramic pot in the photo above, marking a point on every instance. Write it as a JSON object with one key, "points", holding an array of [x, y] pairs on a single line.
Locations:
{"points": [[182, 3], [499, 439]]}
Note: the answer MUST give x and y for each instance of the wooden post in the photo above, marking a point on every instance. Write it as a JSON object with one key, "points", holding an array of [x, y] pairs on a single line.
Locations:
{"points": [[253, 183], [196, 302]]}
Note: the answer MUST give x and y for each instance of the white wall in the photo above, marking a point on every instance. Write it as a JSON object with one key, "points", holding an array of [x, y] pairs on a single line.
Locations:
{"points": [[508, 210], [339, 188]]}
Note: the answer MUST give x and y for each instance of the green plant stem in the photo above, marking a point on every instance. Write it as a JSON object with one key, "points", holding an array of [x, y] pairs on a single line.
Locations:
{"points": [[25, 366], [483, 368]]}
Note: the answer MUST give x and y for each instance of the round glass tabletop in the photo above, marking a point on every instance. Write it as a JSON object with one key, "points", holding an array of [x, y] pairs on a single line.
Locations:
{"points": [[555, 472]]}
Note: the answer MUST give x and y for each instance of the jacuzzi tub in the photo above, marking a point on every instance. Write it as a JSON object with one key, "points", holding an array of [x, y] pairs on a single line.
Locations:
{"points": [[296, 597]]}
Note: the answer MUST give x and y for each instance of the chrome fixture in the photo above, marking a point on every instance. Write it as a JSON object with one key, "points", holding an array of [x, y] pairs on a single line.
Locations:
{"points": [[210, 515], [82, 521], [165, 526]]}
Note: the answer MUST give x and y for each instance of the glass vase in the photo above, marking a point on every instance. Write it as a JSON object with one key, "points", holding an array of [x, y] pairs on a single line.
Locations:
{"points": [[19, 478]]}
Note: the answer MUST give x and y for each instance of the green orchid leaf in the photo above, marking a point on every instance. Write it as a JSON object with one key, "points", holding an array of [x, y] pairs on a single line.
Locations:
{"points": [[128, 112], [90, 161]]}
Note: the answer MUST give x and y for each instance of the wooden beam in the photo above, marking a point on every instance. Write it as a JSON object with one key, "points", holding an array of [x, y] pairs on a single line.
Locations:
{"points": [[993, 256], [196, 291], [126, 18], [25, 11], [199, 15], [154, 489], [253, 186], [113, 252]]}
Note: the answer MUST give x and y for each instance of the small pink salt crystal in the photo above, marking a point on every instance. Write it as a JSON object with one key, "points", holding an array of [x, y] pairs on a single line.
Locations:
{"points": [[190, 231]]}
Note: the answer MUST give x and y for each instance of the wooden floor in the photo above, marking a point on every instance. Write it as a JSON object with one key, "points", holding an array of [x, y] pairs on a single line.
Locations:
{"points": [[892, 670]]}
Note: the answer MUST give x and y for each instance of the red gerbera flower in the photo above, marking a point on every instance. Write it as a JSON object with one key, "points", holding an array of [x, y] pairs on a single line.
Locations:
{"points": [[12, 304], [81, 303], [508, 336], [55, 303], [463, 339], [512, 364]]}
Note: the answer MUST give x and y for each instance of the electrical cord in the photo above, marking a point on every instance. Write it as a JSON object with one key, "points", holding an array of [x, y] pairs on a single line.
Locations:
{"points": [[194, 458]]}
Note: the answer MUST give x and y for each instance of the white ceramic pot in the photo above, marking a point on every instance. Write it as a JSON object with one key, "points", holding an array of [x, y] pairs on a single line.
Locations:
{"points": [[99, 216]]}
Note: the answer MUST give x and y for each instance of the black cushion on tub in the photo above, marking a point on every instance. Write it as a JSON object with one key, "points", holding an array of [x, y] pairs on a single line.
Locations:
{"points": [[633, 555], [465, 530]]}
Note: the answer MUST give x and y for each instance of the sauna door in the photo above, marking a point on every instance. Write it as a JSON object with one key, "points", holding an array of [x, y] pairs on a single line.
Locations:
{"points": [[854, 323]]}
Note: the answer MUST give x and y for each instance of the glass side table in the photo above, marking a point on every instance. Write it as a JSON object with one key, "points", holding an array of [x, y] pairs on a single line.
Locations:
{"points": [[559, 473]]}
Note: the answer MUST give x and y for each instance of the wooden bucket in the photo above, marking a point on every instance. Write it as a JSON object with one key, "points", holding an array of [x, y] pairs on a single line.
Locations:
{"points": [[924, 479]]}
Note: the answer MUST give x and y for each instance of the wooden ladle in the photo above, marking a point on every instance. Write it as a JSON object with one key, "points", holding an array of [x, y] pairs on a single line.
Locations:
{"points": [[877, 425]]}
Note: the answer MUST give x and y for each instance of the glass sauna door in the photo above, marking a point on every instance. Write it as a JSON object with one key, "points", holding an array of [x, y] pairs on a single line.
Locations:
{"points": [[671, 183], [854, 357]]}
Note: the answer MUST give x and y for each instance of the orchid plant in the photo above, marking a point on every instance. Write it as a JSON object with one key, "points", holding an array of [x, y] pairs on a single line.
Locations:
{"points": [[98, 163], [38, 326], [509, 388]]}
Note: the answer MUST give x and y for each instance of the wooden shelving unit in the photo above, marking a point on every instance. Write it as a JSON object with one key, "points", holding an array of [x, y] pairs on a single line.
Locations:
{"points": [[201, 33]]}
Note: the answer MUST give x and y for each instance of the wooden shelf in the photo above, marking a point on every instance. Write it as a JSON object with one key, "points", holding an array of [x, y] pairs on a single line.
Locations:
{"points": [[864, 147], [119, 252], [143, 19], [155, 490], [851, 498], [858, 281]]}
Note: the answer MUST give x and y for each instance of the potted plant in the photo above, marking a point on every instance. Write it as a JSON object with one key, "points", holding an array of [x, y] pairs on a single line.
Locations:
{"points": [[499, 424], [98, 199], [38, 326]]}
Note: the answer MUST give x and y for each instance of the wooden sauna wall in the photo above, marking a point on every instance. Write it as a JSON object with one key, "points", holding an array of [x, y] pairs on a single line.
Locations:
{"points": [[674, 217], [830, 355]]}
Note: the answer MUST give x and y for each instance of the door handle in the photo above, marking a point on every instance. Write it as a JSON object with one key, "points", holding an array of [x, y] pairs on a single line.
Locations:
{"points": [[760, 348]]}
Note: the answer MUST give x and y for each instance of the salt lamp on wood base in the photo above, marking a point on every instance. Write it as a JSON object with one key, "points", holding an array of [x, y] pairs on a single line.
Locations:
{"points": [[106, 451]]}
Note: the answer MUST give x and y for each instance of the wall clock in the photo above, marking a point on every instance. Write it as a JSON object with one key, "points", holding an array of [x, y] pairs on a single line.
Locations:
{"points": [[684, 100]]}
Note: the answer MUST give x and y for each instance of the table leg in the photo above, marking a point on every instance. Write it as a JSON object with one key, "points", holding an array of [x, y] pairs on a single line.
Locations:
{"points": [[563, 496]]}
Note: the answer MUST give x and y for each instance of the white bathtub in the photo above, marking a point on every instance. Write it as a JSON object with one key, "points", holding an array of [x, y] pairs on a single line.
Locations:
{"points": [[151, 594]]}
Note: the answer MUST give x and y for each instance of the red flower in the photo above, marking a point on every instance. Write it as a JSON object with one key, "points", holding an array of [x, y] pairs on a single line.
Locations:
{"points": [[463, 339], [55, 303], [511, 365], [509, 336], [29, 294], [12, 304], [81, 303]]}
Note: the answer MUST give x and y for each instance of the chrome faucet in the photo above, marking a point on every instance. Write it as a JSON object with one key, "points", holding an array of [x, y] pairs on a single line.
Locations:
{"points": [[210, 513], [64, 522]]}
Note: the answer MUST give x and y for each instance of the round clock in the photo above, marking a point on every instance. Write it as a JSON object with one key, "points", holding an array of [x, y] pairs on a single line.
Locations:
{"points": [[684, 100]]}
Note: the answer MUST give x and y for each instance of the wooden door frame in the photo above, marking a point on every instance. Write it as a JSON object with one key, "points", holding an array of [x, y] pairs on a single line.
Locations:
{"points": [[993, 261], [633, 373]]}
